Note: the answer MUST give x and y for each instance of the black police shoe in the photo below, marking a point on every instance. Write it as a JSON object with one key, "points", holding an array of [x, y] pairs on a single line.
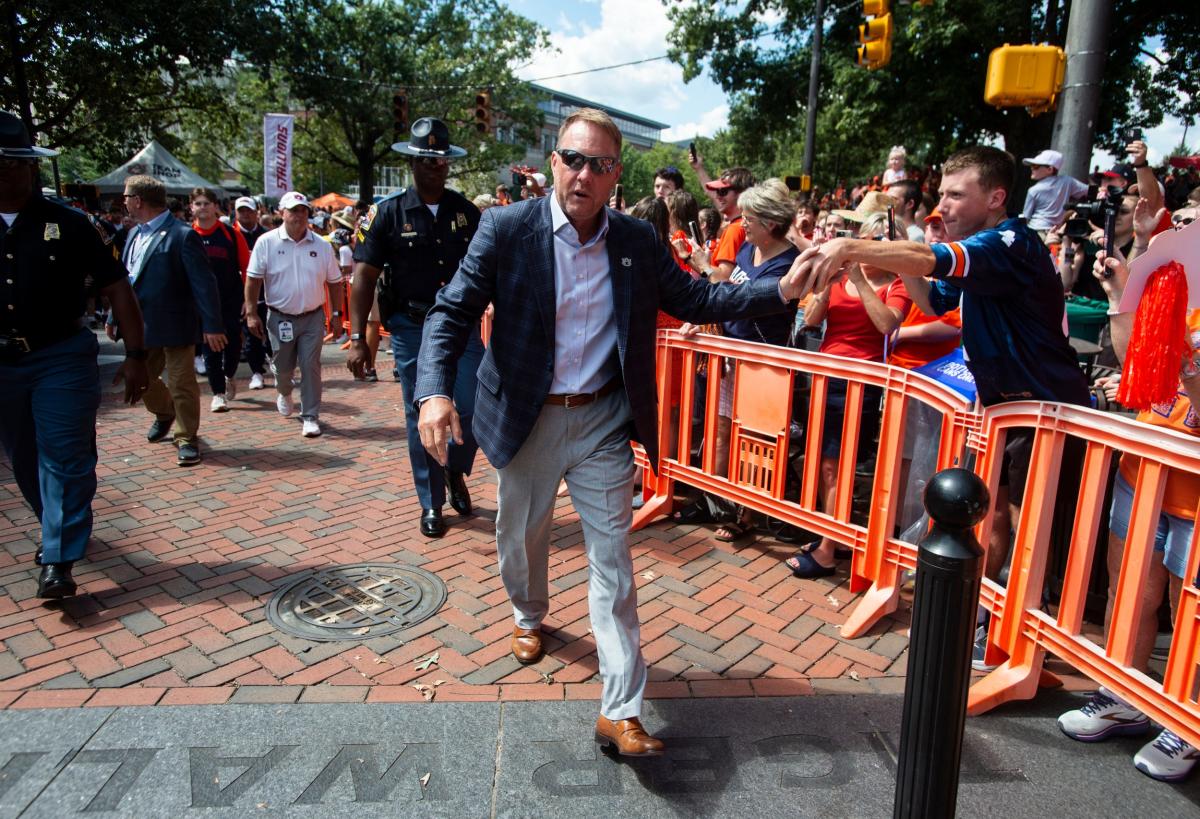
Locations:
{"points": [[37, 557], [460, 498], [160, 429], [189, 455], [55, 581], [432, 524]]}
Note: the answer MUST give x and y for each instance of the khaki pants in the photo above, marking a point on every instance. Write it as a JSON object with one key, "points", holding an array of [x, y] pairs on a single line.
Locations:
{"points": [[180, 396]]}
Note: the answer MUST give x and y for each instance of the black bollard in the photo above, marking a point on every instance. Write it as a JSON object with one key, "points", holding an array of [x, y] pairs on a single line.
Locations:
{"points": [[949, 568]]}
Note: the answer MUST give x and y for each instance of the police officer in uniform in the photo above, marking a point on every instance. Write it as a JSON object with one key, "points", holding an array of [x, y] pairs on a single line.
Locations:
{"points": [[49, 378], [420, 235]]}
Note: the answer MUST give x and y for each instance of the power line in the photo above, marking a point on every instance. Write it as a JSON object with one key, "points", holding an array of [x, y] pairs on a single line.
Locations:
{"points": [[601, 68]]}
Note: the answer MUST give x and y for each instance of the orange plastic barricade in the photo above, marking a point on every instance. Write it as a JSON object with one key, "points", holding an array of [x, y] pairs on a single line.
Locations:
{"points": [[762, 411], [1021, 632]]}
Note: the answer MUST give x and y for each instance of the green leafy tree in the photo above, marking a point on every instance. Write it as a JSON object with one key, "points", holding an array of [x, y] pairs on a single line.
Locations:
{"points": [[104, 76], [344, 60], [929, 97]]}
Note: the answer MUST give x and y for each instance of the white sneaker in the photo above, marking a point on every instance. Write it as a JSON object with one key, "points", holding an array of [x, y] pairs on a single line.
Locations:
{"points": [[1103, 716], [219, 404], [231, 388], [310, 429], [200, 368], [284, 404], [256, 382], [1167, 759]]}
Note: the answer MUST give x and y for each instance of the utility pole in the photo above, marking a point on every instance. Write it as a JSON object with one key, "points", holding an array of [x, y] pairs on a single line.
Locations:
{"points": [[814, 78], [1075, 122]]}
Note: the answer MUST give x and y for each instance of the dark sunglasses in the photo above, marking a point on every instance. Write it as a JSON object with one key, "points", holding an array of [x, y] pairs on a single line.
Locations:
{"points": [[575, 161], [721, 191], [1182, 220], [433, 161]]}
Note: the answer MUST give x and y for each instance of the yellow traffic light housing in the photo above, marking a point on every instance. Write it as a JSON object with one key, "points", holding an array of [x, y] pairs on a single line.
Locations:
{"points": [[1028, 76], [483, 111], [875, 40], [876, 8]]}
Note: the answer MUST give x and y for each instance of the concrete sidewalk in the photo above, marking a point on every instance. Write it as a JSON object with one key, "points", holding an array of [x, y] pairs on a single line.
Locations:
{"points": [[805, 757]]}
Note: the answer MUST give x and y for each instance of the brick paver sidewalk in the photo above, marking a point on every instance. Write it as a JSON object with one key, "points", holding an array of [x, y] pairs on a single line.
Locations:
{"points": [[183, 561]]}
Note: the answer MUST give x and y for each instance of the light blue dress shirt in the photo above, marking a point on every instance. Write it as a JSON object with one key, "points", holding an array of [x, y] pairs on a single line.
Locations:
{"points": [[585, 326], [140, 238]]}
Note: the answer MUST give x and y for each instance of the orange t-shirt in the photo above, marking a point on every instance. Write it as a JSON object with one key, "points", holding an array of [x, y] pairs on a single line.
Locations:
{"points": [[918, 353], [730, 242], [1183, 488]]}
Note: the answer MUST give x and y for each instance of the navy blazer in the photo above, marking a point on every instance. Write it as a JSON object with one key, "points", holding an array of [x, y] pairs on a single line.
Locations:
{"points": [[510, 263], [175, 287]]}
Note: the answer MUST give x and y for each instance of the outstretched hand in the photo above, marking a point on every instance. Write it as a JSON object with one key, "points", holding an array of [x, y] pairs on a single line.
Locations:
{"points": [[815, 269]]}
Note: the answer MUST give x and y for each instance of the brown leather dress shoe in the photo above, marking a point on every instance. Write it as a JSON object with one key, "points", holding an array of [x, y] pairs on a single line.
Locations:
{"points": [[527, 645], [628, 737]]}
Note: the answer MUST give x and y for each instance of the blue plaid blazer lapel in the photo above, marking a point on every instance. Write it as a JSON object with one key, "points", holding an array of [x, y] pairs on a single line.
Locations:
{"points": [[540, 249]]}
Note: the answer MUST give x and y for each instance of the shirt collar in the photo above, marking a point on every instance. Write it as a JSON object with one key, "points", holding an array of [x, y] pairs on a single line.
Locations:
{"points": [[283, 234], [558, 219], [155, 223]]}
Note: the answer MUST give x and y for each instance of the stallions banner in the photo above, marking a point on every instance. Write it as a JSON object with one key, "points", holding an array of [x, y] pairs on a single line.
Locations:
{"points": [[277, 154]]}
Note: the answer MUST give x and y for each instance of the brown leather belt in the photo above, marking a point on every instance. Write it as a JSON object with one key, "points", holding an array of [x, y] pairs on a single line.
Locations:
{"points": [[580, 399]]}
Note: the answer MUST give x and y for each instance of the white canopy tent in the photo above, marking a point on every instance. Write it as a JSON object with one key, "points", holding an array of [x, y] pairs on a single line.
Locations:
{"points": [[156, 161]]}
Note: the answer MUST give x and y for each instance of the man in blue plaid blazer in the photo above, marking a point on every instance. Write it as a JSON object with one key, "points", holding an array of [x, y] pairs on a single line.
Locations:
{"points": [[567, 380]]}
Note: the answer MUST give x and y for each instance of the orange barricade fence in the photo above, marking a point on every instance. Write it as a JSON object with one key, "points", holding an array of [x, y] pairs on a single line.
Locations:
{"points": [[1020, 632], [759, 440]]}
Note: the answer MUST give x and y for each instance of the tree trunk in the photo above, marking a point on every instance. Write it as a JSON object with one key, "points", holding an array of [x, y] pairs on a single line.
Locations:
{"points": [[366, 177], [1026, 136]]}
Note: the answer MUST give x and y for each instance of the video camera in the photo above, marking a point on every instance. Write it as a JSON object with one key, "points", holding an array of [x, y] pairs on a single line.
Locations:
{"points": [[1096, 211]]}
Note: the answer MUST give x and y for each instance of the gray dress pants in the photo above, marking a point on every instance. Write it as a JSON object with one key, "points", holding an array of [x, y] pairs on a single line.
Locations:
{"points": [[303, 352], [589, 446]]}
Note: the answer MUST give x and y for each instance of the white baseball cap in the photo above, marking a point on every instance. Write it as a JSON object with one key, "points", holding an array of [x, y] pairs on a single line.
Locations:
{"points": [[1049, 158], [245, 202], [294, 199]]}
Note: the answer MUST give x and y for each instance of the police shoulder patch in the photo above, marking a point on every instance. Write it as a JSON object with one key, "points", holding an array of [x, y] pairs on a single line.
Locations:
{"points": [[367, 221], [95, 223]]}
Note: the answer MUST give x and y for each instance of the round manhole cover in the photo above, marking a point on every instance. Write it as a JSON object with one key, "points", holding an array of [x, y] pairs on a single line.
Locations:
{"points": [[356, 602]]}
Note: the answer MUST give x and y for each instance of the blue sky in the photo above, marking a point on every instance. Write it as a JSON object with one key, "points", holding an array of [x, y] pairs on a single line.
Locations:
{"points": [[593, 33]]}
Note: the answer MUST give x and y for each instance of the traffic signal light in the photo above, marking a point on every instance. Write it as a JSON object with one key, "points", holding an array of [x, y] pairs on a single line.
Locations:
{"points": [[483, 111], [400, 113], [875, 35]]}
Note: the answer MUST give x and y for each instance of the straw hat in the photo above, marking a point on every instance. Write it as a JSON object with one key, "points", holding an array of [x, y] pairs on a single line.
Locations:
{"points": [[873, 202]]}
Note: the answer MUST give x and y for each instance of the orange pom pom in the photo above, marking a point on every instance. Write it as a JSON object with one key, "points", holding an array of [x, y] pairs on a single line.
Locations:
{"points": [[1158, 341]]}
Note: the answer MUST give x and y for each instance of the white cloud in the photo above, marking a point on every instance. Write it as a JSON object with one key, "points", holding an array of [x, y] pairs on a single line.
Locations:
{"points": [[628, 30], [708, 124]]}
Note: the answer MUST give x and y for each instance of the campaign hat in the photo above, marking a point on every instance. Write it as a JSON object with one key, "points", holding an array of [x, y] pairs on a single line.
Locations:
{"points": [[429, 137], [14, 139]]}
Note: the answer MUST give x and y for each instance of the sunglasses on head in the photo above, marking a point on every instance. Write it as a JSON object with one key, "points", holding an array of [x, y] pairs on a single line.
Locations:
{"points": [[575, 161]]}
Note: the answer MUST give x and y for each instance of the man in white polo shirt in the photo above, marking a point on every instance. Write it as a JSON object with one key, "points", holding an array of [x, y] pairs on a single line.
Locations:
{"points": [[295, 266]]}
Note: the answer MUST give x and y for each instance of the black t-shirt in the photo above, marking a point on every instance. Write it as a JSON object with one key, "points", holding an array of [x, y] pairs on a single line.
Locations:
{"points": [[48, 259], [423, 250]]}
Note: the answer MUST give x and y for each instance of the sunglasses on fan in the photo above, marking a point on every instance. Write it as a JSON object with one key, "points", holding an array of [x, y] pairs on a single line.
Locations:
{"points": [[575, 161]]}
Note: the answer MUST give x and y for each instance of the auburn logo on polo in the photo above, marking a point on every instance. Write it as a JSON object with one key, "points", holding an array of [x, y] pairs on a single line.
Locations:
{"points": [[312, 253]]}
